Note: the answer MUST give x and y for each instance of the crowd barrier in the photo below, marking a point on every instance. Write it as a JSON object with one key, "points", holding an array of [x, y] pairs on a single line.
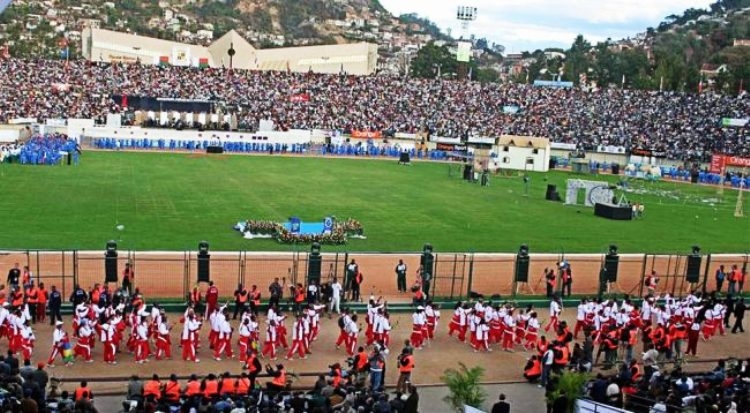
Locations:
{"points": [[171, 275]]}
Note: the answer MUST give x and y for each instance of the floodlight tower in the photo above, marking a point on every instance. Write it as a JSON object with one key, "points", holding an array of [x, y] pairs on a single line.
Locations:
{"points": [[465, 15]]}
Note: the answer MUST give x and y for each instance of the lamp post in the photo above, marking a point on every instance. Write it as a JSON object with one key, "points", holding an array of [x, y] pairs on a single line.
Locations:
{"points": [[231, 53]]}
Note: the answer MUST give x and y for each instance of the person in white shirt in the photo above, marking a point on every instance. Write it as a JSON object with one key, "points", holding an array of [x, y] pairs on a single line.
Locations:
{"points": [[298, 339], [59, 341], [107, 336], [383, 329], [554, 314], [548, 359], [224, 338], [352, 330], [142, 348], [336, 296], [418, 321]]}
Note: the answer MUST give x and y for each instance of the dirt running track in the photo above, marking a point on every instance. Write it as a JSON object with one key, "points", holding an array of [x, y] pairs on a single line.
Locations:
{"points": [[441, 353]]}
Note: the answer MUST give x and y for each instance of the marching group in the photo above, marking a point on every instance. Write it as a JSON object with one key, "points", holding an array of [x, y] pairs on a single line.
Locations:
{"points": [[680, 125]]}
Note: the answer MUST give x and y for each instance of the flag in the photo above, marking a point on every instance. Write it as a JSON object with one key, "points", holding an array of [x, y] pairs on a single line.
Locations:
{"points": [[740, 91], [203, 62], [124, 101], [700, 86], [163, 60], [623, 81], [299, 98]]}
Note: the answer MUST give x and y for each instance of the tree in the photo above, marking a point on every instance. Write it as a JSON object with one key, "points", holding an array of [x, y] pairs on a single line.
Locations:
{"points": [[464, 386], [577, 60], [572, 384], [431, 57], [487, 75]]}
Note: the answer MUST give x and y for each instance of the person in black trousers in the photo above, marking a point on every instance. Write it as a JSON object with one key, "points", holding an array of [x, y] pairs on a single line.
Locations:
{"points": [[739, 314], [54, 303]]}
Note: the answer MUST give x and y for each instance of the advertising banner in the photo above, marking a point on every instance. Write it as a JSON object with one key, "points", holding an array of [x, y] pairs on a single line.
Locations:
{"points": [[362, 134]]}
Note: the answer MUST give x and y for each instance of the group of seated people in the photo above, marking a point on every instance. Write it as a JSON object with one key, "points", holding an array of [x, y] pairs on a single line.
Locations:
{"points": [[224, 393]]}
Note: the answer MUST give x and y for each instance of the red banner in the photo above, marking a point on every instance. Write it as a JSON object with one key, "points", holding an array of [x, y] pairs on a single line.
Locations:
{"points": [[718, 162], [363, 134], [300, 98]]}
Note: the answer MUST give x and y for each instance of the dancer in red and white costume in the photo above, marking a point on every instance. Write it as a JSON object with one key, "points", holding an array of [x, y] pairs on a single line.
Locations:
{"points": [[84, 341], [224, 339], [163, 339], [299, 339], [59, 340], [509, 325], [343, 336], [555, 308], [432, 312], [373, 306], [142, 348], [27, 340], [107, 337], [189, 337], [482, 334], [532, 331], [458, 322], [418, 320], [269, 345], [383, 329], [245, 339], [352, 332]]}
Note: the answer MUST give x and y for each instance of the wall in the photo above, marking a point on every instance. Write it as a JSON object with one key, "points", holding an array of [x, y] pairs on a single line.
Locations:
{"points": [[289, 137], [516, 158]]}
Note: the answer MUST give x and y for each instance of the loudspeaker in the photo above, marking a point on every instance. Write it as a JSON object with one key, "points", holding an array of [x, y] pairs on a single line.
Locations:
{"points": [[468, 172], [110, 268], [692, 275], [427, 261], [314, 262], [615, 169], [611, 264], [551, 191], [204, 268], [522, 269]]}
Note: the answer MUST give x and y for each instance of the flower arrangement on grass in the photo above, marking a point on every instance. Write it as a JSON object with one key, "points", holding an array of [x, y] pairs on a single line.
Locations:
{"points": [[338, 236]]}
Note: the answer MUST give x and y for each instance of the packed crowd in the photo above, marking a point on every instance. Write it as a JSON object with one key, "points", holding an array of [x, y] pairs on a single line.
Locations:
{"points": [[681, 125]]}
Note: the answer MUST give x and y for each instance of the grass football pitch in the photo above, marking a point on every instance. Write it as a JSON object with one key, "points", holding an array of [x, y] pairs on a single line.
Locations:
{"points": [[172, 201]]}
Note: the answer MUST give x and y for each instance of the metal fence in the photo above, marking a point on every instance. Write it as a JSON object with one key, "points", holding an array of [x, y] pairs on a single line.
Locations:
{"points": [[171, 275]]}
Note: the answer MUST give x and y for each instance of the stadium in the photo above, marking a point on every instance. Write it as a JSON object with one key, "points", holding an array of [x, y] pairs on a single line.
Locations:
{"points": [[166, 188]]}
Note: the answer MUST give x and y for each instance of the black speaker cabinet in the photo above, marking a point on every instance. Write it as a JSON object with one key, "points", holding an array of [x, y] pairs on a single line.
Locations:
{"points": [[522, 269], [313, 268], [110, 268], [204, 268], [611, 264], [693, 273]]}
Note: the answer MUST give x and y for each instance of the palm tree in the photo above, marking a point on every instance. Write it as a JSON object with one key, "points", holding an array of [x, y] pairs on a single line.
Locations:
{"points": [[464, 386]]}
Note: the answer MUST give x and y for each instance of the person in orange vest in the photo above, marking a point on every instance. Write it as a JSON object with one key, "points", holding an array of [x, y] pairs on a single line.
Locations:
{"points": [[734, 278], [192, 387], [254, 299], [152, 388], [41, 306], [241, 296], [32, 298], [336, 374], [227, 385], [83, 392], [635, 371], [533, 369], [17, 298], [299, 298], [405, 368], [550, 280], [243, 385], [361, 360], [253, 367], [210, 386], [172, 389], [278, 383]]}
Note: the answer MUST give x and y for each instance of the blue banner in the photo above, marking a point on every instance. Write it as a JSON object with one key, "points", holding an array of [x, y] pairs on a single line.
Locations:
{"points": [[553, 84], [295, 224], [328, 225]]}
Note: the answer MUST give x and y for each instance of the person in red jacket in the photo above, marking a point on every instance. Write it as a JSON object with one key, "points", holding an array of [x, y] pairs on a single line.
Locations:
{"points": [[212, 298]]}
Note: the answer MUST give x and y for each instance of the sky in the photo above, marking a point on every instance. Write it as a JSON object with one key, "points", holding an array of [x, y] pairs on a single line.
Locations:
{"points": [[537, 24]]}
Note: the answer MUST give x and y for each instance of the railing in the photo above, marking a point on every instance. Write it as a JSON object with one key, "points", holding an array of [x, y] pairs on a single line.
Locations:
{"points": [[171, 275]]}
